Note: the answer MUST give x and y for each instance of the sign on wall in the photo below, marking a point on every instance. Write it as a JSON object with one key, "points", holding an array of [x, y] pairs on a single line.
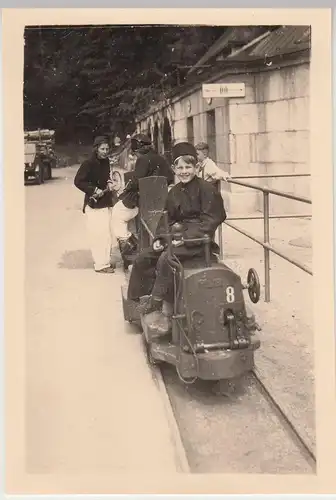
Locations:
{"points": [[210, 90]]}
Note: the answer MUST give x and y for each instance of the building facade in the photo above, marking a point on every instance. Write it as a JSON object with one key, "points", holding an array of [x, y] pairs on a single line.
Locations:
{"points": [[264, 132]]}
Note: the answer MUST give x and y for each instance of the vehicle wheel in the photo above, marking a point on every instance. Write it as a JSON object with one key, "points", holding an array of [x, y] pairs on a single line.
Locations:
{"points": [[224, 388], [40, 178], [151, 360], [253, 284]]}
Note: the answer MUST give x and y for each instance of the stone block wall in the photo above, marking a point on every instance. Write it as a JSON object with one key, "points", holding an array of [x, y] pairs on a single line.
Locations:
{"points": [[270, 135], [265, 132]]}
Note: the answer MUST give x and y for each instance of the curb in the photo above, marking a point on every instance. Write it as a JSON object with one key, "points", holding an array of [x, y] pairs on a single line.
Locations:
{"points": [[180, 454]]}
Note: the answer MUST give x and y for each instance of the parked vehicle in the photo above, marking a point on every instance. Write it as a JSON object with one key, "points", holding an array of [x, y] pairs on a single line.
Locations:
{"points": [[40, 156]]}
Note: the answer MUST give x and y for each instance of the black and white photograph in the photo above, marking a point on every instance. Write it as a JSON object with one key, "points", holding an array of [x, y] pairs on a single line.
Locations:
{"points": [[168, 249]]}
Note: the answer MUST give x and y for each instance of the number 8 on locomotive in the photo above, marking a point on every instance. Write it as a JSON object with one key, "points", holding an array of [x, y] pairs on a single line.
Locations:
{"points": [[230, 294]]}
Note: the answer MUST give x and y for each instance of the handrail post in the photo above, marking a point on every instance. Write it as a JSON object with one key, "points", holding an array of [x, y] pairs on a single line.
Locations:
{"points": [[266, 250], [220, 227], [220, 242], [266, 217]]}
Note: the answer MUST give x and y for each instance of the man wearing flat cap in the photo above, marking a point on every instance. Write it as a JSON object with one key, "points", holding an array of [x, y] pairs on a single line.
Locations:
{"points": [[93, 178], [199, 208], [148, 163]]}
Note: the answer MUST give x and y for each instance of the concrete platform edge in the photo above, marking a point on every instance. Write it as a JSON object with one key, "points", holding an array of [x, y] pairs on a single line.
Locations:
{"points": [[180, 454]]}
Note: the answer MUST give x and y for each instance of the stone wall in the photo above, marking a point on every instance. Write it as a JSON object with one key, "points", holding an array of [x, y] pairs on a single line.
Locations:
{"points": [[265, 132], [269, 134]]}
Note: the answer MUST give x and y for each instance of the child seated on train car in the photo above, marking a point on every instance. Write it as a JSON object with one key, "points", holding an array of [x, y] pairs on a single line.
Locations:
{"points": [[148, 163], [197, 205]]}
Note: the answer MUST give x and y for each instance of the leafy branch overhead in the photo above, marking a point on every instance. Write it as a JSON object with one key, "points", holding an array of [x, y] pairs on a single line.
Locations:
{"points": [[81, 80]]}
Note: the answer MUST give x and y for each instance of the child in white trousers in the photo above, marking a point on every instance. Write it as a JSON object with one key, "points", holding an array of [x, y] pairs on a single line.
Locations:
{"points": [[103, 243], [94, 179]]}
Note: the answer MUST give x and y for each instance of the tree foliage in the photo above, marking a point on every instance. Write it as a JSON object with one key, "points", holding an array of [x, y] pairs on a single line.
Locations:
{"points": [[84, 80]]}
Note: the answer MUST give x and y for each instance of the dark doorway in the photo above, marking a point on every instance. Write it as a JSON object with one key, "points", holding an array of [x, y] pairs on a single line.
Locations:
{"points": [[156, 137], [167, 139], [190, 129], [211, 134], [149, 131]]}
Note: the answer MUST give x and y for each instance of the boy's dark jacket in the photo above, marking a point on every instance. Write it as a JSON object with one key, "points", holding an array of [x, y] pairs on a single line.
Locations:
{"points": [[94, 173], [146, 165], [198, 206]]}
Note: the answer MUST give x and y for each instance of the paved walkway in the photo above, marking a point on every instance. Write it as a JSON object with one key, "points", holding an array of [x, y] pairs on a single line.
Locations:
{"points": [[92, 405]]}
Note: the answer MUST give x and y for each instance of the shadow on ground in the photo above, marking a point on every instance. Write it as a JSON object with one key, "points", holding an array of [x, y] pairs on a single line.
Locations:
{"points": [[208, 392], [46, 182], [55, 178], [76, 259]]}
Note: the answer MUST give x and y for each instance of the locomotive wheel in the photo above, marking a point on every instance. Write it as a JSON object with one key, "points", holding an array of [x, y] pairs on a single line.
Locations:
{"points": [[40, 177], [151, 360], [253, 285], [225, 388]]}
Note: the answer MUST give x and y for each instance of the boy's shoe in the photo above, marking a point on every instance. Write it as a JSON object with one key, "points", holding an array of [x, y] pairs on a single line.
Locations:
{"points": [[158, 324], [149, 305], [106, 270]]}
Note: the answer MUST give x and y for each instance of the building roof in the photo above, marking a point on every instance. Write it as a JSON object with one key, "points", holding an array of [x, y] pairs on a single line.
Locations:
{"points": [[281, 42], [214, 49], [284, 40], [235, 35]]}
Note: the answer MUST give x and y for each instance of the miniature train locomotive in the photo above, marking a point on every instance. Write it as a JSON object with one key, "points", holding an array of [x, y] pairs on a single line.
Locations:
{"points": [[212, 336]]}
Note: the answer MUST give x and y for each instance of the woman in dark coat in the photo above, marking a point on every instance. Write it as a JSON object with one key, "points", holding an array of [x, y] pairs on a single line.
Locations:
{"points": [[195, 204], [94, 179]]}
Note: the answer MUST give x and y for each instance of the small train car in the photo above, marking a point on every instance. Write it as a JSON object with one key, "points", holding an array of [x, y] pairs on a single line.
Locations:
{"points": [[212, 335]]}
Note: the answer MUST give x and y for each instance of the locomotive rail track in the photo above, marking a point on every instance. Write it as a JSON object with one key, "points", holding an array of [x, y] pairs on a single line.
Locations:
{"points": [[291, 430], [258, 427], [246, 432]]}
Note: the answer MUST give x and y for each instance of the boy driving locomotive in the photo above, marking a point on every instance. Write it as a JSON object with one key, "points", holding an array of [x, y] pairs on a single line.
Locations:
{"points": [[199, 208]]}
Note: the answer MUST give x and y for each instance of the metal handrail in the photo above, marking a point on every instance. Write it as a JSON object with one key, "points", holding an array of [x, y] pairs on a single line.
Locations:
{"points": [[278, 216], [268, 176], [277, 192], [266, 217], [272, 249]]}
